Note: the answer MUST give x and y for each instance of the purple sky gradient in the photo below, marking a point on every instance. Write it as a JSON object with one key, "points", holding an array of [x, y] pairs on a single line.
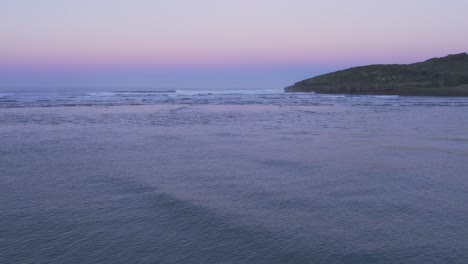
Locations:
{"points": [[103, 44]]}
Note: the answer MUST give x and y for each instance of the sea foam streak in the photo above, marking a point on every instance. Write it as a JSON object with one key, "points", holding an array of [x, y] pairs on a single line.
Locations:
{"points": [[209, 97]]}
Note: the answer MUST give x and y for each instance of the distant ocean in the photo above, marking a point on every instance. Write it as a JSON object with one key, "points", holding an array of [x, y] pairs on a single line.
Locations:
{"points": [[232, 176]]}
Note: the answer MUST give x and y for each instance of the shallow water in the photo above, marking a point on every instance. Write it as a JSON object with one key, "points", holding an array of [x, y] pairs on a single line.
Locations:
{"points": [[212, 177]]}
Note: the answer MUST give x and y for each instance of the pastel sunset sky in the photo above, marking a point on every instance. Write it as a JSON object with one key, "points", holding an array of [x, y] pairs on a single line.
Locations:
{"points": [[151, 44]]}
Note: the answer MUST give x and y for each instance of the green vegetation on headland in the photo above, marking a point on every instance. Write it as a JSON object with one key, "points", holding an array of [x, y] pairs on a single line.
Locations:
{"points": [[446, 76]]}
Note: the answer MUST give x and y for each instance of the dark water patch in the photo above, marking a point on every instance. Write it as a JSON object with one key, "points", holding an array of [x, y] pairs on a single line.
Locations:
{"points": [[452, 139], [424, 149], [226, 134], [284, 164]]}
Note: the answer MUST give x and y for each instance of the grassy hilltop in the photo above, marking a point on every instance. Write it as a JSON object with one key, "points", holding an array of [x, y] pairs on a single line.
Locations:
{"points": [[446, 76]]}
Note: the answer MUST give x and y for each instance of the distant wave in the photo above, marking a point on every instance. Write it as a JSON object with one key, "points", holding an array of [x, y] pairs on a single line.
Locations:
{"points": [[230, 92], [146, 91], [2, 95], [211, 97]]}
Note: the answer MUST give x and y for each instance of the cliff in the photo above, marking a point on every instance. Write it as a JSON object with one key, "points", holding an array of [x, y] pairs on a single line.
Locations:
{"points": [[446, 76]]}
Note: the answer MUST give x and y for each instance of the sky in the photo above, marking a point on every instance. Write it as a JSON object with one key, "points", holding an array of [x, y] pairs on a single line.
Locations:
{"points": [[214, 44]]}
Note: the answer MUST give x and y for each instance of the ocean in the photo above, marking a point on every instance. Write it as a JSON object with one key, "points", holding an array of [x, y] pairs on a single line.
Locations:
{"points": [[247, 176]]}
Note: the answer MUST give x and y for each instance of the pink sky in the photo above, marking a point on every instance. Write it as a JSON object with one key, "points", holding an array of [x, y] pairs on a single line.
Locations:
{"points": [[208, 34]]}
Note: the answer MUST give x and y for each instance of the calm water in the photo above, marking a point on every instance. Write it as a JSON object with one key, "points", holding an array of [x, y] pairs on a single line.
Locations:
{"points": [[232, 177]]}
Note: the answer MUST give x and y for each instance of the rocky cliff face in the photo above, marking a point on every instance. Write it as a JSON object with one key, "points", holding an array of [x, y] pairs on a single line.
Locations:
{"points": [[446, 76]]}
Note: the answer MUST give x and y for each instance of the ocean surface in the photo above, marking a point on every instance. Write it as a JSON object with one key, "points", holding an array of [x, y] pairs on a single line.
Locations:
{"points": [[253, 176]]}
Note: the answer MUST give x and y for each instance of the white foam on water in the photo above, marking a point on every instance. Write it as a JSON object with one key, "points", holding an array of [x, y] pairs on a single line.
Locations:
{"points": [[229, 92]]}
